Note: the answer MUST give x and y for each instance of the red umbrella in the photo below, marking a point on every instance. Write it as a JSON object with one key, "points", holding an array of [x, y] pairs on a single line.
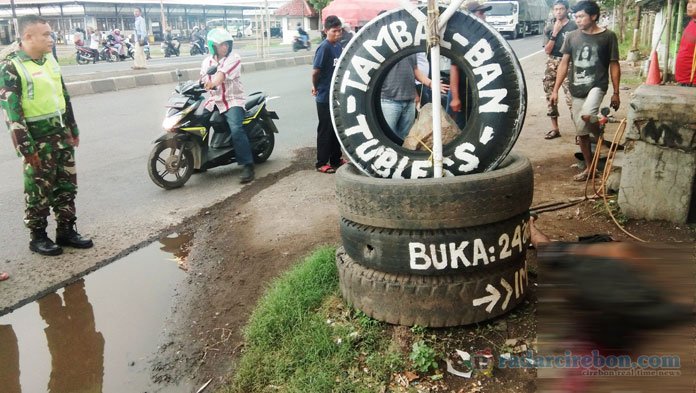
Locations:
{"points": [[358, 12]]}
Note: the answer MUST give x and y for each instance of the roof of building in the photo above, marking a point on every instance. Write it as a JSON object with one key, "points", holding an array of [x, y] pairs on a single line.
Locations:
{"points": [[295, 8]]}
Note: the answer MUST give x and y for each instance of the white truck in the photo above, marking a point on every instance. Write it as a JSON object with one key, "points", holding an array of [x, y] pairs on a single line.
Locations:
{"points": [[518, 17]]}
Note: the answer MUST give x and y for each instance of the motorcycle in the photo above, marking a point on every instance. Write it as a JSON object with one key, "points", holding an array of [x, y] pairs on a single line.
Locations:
{"points": [[108, 52], [128, 49], [183, 147], [131, 47], [197, 49], [298, 43], [171, 49], [128, 52], [84, 55]]}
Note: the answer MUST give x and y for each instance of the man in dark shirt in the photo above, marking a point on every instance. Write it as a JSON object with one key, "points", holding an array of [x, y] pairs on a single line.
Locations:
{"points": [[594, 52], [325, 59], [554, 36]]}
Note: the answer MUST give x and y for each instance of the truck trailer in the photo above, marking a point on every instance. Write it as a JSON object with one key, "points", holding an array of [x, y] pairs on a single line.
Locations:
{"points": [[518, 18]]}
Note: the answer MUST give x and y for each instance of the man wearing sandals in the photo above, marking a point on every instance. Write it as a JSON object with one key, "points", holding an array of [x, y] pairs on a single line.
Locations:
{"points": [[325, 60], [595, 55], [554, 36]]}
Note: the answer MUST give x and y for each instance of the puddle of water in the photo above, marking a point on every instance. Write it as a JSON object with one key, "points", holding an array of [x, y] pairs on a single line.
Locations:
{"points": [[99, 333]]}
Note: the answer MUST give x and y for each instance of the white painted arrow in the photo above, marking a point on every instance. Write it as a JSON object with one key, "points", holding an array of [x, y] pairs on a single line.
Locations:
{"points": [[492, 298], [508, 288]]}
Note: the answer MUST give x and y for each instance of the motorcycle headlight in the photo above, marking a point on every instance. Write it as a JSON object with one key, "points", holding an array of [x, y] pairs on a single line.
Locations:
{"points": [[171, 121]]}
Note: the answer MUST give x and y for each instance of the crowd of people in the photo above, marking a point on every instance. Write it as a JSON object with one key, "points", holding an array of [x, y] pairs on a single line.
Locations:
{"points": [[582, 57]]}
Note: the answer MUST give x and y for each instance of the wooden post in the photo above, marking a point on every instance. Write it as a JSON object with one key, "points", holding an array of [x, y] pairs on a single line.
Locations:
{"points": [[636, 30], [679, 24], [668, 23]]}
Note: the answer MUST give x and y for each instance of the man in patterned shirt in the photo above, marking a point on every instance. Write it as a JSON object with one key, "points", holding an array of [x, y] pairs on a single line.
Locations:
{"points": [[227, 94], [40, 119]]}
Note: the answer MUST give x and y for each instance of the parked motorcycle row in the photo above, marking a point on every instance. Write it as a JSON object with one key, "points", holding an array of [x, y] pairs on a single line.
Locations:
{"points": [[109, 52]]}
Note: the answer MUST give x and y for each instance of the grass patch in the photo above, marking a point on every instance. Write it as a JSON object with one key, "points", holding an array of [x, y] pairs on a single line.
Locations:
{"points": [[302, 338], [615, 210], [632, 81]]}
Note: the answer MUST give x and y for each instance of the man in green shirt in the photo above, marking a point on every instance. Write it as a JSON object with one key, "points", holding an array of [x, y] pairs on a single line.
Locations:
{"points": [[40, 119]]}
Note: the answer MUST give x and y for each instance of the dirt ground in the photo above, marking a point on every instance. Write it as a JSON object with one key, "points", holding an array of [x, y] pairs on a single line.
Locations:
{"points": [[243, 243]]}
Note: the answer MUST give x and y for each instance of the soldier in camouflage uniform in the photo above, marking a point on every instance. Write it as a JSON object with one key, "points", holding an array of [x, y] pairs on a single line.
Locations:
{"points": [[42, 126], [554, 35]]}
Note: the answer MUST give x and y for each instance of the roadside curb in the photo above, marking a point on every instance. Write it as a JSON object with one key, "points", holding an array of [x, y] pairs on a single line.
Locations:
{"points": [[81, 88]]}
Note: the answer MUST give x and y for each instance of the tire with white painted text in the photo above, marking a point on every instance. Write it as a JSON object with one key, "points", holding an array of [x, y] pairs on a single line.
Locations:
{"points": [[433, 301], [445, 203], [437, 252], [482, 54]]}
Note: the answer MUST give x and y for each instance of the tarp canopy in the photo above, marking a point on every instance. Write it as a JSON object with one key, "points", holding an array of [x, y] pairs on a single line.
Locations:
{"points": [[357, 12]]}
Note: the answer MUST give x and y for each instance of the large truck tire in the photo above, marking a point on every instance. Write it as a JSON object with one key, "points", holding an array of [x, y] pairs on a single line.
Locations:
{"points": [[499, 95], [437, 252], [433, 301], [448, 202]]}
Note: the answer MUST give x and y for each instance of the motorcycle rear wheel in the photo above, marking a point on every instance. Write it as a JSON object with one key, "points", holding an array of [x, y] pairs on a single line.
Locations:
{"points": [[113, 57], [173, 169], [265, 147], [83, 60]]}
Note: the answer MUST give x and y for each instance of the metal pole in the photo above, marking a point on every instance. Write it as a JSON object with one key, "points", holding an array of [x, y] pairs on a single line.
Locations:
{"points": [[164, 21], [434, 42], [268, 30], [15, 26]]}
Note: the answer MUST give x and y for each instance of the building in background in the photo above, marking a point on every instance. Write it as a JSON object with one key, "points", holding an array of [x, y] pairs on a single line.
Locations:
{"points": [[65, 16], [294, 12]]}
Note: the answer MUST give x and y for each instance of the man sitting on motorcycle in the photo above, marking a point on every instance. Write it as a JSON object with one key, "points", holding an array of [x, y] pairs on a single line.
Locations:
{"points": [[227, 94], [303, 34]]}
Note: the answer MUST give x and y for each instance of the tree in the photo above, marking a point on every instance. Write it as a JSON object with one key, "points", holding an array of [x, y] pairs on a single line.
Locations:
{"points": [[319, 5], [621, 7]]}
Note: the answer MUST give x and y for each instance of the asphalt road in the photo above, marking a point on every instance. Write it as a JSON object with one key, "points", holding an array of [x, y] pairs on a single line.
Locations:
{"points": [[117, 204], [185, 60]]}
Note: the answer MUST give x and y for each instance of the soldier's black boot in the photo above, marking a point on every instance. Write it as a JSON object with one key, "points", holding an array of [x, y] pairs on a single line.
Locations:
{"points": [[40, 243], [67, 236]]}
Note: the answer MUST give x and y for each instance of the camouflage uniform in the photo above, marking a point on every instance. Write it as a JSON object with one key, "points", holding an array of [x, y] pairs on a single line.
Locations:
{"points": [[54, 184], [552, 63]]}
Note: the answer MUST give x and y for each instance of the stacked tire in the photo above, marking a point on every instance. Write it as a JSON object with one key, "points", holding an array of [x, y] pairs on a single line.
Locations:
{"points": [[435, 252], [417, 249]]}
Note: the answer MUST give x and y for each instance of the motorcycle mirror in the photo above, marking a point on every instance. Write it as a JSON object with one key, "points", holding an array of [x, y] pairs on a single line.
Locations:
{"points": [[212, 70]]}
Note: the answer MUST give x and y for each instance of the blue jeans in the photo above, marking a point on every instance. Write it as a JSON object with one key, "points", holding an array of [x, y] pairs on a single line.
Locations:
{"points": [[240, 140], [400, 115]]}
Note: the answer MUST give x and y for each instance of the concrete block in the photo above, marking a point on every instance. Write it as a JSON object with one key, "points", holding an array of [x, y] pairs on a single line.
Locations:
{"points": [[665, 133], [669, 107], [162, 78], [248, 67], [144, 80], [190, 74], [656, 182], [103, 85], [76, 89], [124, 82]]}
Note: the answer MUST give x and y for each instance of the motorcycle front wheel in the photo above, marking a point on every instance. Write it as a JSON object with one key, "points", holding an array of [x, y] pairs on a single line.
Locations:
{"points": [[170, 165], [263, 146]]}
